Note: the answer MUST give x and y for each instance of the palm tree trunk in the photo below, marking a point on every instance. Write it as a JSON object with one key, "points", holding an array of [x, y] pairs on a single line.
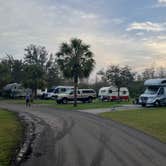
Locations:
{"points": [[75, 90]]}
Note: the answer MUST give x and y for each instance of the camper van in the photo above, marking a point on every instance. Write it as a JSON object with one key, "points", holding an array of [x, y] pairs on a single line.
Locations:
{"points": [[54, 91], [155, 93], [111, 93]]}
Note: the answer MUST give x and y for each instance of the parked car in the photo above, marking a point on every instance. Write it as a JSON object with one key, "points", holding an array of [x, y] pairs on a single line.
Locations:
{"points": [[155, 93], [111, 93], [83, 95], [54, 91]]}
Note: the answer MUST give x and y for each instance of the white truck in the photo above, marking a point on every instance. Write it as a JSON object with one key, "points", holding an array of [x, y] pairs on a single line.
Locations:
{"points": [[155, 93], [111, 93], [54, 91], [83, 95]]}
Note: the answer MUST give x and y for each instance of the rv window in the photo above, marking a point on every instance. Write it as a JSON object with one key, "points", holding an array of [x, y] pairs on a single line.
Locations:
{"points": [[164, 82], [103, 91], [110, 91], [124, 92], [161, 91]]}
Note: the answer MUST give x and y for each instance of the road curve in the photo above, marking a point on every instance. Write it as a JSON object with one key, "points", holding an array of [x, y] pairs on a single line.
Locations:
{"points": [[71, 138]]}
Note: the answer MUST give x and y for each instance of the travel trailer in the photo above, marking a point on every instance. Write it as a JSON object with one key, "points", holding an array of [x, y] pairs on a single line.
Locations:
{"points": [[15, 90], [111, 93], [155, 93], [54, 91]]}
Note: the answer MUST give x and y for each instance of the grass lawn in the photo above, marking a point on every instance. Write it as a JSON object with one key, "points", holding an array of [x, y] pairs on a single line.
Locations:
{"points": [[96, 104], [10, 136], [150, 120]]}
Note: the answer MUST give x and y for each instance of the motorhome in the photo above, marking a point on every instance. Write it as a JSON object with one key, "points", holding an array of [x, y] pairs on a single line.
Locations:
{"points": [[155, 93], [55, 90], [111, 93], [15, 90]]}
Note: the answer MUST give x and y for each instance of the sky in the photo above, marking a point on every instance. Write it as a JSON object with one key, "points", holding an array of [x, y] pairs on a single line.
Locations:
{"points": [[124, 32]]}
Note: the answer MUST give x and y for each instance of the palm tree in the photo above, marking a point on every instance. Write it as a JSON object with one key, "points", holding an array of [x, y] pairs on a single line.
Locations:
{"points": [[76, 62]]}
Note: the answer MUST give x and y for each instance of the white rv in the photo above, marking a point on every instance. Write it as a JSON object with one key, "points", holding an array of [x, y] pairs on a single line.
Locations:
{"points": [[54, 91], [111, 93], [15, 90], [155, 93]]}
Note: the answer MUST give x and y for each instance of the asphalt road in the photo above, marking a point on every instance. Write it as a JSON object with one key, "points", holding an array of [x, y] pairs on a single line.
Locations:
{"points": [[71, 138]]}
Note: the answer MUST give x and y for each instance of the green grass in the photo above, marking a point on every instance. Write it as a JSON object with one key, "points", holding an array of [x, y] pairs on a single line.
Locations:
{"points": [[22, 101], [150, 120], [96, 104], [10, 136]]}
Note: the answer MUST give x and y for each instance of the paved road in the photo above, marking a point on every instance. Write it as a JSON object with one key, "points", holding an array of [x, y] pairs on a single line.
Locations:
{"points": [[116, 108], [70, 138]]}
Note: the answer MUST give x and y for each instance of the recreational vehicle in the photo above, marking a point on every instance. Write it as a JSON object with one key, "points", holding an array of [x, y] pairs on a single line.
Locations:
{"points": [[15, 90], [155, 93], [111, 93]]}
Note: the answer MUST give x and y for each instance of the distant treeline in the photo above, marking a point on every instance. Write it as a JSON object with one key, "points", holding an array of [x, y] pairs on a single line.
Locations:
{"points": [[39, 69]]}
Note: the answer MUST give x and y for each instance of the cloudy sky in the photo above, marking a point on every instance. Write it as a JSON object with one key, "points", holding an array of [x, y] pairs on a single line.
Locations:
{"points": [[125, 32]]}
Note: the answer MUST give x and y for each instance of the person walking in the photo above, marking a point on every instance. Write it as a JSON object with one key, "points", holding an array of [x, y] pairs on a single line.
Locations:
{"points": [[27, 100]]}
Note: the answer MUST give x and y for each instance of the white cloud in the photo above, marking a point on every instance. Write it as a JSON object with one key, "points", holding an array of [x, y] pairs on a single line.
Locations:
{"points": [[162, 1], [147, 26], [26, 22]]}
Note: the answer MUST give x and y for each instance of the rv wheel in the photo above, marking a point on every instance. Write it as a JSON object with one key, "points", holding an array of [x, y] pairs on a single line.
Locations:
{"points": [[143, 104], [157, 103]]}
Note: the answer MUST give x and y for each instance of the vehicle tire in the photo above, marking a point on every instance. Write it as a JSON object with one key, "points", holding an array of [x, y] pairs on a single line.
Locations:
{"points": [[64, 101], [157, 103], [90, 99], [143, 104]]}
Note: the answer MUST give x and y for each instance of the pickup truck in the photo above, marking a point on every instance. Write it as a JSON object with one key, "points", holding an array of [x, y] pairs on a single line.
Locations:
{"points": [[83, 95]]}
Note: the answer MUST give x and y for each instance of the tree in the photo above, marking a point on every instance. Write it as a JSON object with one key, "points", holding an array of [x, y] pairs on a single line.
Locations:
{"points": [[161, 72], [76, 61], [5, 74], [119, 76], [40, 68], [53, 75], [11, 70], [148, 73]]}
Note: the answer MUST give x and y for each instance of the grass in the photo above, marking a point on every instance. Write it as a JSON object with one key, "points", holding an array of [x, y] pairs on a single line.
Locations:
{"points": [[10, 136], [96, 104], [150, 120]]}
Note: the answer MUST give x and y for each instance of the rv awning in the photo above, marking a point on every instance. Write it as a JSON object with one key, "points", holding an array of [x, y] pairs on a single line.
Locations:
{"points": [[155, 82]]}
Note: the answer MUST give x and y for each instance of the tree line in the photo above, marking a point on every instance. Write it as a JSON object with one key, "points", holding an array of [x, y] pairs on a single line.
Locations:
{"points": [[71, 64]]}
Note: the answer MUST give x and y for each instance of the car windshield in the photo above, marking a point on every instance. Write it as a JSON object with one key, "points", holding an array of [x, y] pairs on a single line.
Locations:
{"points": [[151, 90]]}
